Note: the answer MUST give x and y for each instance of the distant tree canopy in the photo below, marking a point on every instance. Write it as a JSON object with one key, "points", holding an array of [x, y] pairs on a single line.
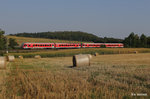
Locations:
{"points": [[12, 43], [3, 41], [70, 35], [133, 40]]}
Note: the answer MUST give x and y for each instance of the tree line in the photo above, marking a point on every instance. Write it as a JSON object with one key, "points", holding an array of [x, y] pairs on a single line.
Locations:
{"points": [[6, 43], [135, 41], [132, 41], [70, 35]]}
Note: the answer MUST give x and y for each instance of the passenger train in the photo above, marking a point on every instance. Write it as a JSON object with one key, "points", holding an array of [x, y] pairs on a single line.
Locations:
{"points": [[70, 45]]}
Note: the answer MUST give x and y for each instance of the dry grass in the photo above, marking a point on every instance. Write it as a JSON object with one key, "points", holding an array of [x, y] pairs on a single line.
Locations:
{"points": [[21, 40], [71, 52], [108, 77]]}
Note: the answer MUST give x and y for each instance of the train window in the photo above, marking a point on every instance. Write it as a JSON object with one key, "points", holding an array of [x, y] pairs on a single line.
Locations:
{"points": [[25, 45]]}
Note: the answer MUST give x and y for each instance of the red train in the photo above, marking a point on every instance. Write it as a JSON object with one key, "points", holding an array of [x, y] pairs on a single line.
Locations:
{"points": [[70, 45]]}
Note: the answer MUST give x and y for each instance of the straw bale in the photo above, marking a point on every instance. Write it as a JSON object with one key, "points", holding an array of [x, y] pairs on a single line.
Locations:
{"points": [[135, 52], [2, 62], [81, 60], [96, 54], [89, 55], [10, 58], [37, 56], [20, 57]]}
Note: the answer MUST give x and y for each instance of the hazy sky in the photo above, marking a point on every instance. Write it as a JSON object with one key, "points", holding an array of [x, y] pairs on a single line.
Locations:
{"points": [[111, 18]]}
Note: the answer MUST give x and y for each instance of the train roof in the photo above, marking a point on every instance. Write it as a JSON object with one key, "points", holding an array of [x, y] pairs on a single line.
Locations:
{"points": [[69, 43], [102, 43], [37, 43]]}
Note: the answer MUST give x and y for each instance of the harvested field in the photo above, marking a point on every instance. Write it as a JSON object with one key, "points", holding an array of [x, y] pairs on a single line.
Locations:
{"points": [[71, 52], [108, 77]]}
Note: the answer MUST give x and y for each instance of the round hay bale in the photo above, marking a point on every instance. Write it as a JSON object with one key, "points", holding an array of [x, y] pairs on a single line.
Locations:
{"points": [[81, 60], [135, 52], [10, 58], [37, 56], [96, 54], [2, 62], [20, 57], [89, 55]]}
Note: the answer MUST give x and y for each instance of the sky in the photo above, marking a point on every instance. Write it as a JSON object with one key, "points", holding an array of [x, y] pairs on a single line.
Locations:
{"points": [[104, 18]]}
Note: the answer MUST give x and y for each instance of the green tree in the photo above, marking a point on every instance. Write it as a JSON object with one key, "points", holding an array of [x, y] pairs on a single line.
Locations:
{"points": [[12, 43], [148, 42], [132, 40], [143, 40], [136, 41], [129, 41], [2, 40]]}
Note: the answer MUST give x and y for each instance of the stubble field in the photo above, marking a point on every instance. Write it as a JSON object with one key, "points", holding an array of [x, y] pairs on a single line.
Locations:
{"points": [[109, 77]]}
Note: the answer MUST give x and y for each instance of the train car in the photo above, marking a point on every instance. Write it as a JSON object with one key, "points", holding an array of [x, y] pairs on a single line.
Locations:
{"points": [[100, 45], [37, 45], [70, 45], [67, 45], [114, 45], [92, 45]]}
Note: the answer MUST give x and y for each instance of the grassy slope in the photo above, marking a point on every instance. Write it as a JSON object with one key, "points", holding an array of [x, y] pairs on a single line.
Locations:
{"points": [[108, 77], [21, 40]]}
